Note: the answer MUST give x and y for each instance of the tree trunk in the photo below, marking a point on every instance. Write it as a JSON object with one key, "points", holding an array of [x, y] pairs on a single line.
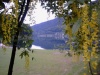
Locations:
{"points": [[10, 70], [13, 54], [90, 68]]}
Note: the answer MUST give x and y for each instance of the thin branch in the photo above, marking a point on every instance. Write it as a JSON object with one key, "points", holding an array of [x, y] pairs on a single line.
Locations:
{"points": [[22, 8]]}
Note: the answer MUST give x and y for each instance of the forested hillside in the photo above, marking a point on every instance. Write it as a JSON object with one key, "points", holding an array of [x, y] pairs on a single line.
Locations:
{"points": [[50, 34]]}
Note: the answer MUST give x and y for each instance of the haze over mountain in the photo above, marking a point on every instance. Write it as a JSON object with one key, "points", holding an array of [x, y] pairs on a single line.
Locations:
{"points": [[49, 34]]}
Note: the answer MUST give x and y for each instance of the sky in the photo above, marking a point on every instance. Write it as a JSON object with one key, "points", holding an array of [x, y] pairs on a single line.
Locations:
{"points": [[40, 15]]}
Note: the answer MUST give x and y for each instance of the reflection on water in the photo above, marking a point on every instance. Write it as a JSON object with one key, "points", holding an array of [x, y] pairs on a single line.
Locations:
{"points": [[50, 42]]}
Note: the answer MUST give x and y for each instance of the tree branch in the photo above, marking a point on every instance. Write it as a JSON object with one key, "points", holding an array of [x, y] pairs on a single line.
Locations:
{"points": [[21, 12]]}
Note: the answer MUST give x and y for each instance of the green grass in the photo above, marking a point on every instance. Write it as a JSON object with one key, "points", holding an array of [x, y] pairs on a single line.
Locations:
{"points": [[46, 62]]}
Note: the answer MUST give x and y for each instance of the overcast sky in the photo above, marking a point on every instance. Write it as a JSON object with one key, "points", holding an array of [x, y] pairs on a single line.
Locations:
{"points": [[40, 15]]}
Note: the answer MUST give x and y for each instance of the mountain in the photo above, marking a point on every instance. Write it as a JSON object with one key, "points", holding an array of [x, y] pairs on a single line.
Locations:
{"points": [[49, 34]]}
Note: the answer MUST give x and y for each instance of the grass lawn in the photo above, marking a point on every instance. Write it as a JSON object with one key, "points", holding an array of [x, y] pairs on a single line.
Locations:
{"points": [[46, 62]]}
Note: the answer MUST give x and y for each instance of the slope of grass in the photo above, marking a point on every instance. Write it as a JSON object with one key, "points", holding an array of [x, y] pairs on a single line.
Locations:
{"points": [[46, 62]]}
